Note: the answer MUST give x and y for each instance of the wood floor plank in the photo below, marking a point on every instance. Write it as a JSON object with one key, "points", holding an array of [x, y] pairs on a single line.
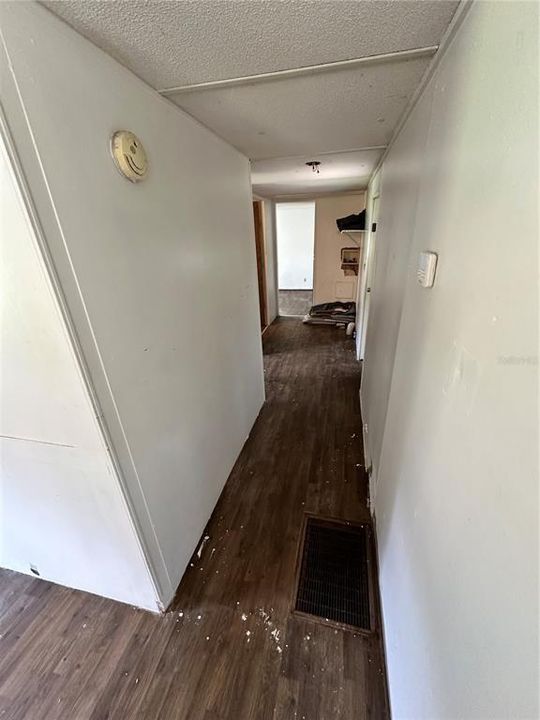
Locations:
{"points": [[229, 647]]}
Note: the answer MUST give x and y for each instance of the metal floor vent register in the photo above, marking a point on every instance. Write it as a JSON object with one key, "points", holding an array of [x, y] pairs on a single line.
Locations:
{"points": [[334, 576]]}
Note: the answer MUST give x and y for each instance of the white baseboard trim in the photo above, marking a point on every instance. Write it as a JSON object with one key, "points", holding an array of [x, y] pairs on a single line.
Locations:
{"points": [[367, 459]]}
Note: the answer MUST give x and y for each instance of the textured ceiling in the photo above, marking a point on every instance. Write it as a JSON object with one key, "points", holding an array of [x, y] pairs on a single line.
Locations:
{"points": [[171, 44], [174, 43], [338, 172], [341, 110]]}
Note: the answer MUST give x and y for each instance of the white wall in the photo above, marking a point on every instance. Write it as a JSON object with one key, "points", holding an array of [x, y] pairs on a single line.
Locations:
{"points": [[399, 185], [457, 478], [270, 256], [330, 283], [61, 507], [295, 237], [160, 277]]}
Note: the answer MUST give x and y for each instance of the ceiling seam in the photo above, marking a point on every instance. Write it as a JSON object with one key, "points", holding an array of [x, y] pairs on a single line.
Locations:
{"points": [[366, 148], [397, 56]]}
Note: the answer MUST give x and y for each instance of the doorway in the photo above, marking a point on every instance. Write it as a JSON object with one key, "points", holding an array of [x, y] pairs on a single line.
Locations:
{"points": [[367, 272], [261, 264], [295, 231]]}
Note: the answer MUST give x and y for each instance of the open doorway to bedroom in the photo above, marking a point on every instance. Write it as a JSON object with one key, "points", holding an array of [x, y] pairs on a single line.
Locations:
{"points": [[295, 232]]}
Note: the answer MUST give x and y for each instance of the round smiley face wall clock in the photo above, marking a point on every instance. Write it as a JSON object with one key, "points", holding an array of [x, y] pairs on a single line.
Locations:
{"points": [[129, 155]]}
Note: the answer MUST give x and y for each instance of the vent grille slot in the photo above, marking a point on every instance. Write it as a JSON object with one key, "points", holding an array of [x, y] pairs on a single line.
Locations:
{"points": [[334, 574]]}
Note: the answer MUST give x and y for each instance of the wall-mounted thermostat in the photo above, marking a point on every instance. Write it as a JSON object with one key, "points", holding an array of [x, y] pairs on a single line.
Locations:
{"points": [[129, 155], [427, 265]]}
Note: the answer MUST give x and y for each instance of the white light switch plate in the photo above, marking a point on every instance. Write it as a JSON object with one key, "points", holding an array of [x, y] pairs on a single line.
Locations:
{"points": [[427, 265]]}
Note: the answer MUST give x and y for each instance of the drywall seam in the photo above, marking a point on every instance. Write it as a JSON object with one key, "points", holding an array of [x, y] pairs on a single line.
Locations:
{"points": [[459, 16], [303, 70], [328, 152], [33, 215], [35, 440]]}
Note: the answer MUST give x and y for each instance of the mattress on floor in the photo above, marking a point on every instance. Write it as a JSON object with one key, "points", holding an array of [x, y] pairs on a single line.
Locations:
{"points": [[331, 313]]}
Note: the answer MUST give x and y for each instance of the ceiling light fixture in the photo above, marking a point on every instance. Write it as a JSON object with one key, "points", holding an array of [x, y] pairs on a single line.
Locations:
{"points": [[314, 165]]}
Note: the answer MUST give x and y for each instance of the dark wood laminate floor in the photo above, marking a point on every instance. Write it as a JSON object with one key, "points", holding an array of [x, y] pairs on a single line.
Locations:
{"points": [[229, 649]]}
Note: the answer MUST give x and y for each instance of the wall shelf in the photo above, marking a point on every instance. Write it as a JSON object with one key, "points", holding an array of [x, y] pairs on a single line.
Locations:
{"points": [[349, 260], [350, 234]]}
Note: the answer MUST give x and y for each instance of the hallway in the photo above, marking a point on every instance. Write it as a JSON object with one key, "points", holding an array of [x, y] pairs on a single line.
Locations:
{"points": [[229, 648], [177, 447]]}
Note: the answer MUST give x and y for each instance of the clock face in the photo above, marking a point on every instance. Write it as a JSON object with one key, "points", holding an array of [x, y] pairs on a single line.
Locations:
{"points": [[129, 155]]}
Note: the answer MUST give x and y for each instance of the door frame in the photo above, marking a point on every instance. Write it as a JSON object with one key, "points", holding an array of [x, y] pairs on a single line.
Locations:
{"points": [[295, 201], [368, 271], [261, 261]]}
